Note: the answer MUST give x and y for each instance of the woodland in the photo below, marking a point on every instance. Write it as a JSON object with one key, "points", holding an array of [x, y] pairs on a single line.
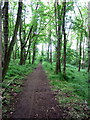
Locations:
{"points": [[55, 34]]}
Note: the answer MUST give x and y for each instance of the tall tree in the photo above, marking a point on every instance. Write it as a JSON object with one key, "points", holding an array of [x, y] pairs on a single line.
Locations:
{"points": [[58, 19], [5, 25], [0, 56], [89, 37], [89, 55], [80, 51], [12, 43], [65, 41], [34, 52], [0, 43]]}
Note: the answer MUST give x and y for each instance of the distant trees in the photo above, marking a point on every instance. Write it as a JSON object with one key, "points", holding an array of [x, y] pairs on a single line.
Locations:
{"points": [[46, 24]]}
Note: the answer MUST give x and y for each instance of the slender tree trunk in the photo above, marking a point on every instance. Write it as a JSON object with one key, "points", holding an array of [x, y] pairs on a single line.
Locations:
{"points": [[12, 43], [83, 62], [0, 44], [89, 40], [18, 52], [89, 55], [29, 58], [64, 57], [77, 50], [50, 46], [13, 54], [28, 50], [48, 53], [5, 25], [65, 41], [42, 50], [80, 53], [50, 50], [89, 52], [34, 52], [22, 45], [0, 59]]}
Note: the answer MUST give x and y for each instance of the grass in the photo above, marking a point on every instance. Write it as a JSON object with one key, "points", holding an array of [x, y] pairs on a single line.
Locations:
{"points": [[13, 83], [72, 92]]}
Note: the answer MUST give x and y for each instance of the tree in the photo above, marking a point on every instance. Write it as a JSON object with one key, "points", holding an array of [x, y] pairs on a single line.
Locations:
{"points": [[5, 25], [65, 41], [0, 43], [12, 43], [89, 37], [58, 20]]}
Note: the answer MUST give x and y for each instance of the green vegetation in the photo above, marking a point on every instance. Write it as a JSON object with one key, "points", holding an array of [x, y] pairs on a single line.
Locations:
{"points": [[72, 91], [13, 83], [55, 32]]}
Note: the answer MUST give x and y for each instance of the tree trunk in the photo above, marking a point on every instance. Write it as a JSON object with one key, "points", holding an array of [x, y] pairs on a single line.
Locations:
{"points": [[89, 39], [12, 43], [65, 41], [80, 53], [50, 46], [34, 52], [5, 25], [22, 45], [50, 50], [89, 52], [58, 17], [29, 58], [83, 62], [48, 53], [0, 44], [89, 55]]}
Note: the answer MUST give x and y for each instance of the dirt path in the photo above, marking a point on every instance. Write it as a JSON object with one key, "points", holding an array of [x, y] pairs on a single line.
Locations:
{"points": [[37, 100]]}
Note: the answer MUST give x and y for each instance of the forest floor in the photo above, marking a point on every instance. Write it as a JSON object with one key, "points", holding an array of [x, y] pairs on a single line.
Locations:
{"points": [[37, 100]]}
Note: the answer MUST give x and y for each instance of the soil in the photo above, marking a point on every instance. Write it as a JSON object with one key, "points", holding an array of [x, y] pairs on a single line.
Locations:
{"points": [[37, 100]]}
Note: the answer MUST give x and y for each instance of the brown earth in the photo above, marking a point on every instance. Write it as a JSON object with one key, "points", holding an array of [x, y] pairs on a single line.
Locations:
{"points": [[37, 100]]}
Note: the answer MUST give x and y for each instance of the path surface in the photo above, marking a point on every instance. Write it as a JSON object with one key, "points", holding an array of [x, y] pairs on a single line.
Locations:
{"points": [[37, 100]]}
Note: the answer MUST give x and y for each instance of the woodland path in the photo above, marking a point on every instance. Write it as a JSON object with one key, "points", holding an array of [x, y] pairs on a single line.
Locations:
{"points": [[37, 100]]}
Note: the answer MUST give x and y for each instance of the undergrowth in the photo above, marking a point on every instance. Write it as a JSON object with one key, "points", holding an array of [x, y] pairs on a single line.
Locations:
{"points": [[72, 92], [13, 82]]}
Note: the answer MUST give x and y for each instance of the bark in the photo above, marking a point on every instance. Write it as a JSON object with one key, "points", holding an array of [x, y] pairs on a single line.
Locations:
{"points": [[0, 59], [58, 17], [77, 50], [89, 55], [12, 43], [5, 25], [22, 45], [29, 58], [50, 48], [48, 53], [80, 53], [0, 44], [28, 50], [34, 52], [83, 62], [65, 41], [89, 52]]}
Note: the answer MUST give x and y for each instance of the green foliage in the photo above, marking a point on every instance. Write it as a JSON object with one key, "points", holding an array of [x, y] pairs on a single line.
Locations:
{"points": [[72, 91], [72, 56], [13, 81], [78, 85]]}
